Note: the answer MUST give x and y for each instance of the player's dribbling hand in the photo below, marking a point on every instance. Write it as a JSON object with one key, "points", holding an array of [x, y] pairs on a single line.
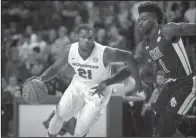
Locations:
{"points": [[29, 79], [99, 89]]}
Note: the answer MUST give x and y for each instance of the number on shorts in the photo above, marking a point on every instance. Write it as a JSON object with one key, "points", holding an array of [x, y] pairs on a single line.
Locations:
{"points": [[85, 73]]}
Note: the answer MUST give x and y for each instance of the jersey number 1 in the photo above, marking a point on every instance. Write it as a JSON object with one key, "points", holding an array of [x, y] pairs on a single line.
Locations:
{"points": [[85, 73]]}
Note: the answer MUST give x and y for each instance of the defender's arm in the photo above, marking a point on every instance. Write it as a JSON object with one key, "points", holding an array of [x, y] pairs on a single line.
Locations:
{"points": [[117, 55], [180, 29]]}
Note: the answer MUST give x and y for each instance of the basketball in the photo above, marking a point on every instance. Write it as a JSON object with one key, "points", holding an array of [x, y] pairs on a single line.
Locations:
{"points": [[34, 92]]}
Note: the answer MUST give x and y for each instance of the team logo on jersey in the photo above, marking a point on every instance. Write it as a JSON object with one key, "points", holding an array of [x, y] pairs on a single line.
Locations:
{"points": [[173, 102], [155, 53], [95, 59], [85, 65]]}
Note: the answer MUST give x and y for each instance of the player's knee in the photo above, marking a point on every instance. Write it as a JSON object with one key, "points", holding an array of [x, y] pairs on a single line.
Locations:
{"points": [[57, 118], [62, 114], [60, 111]]}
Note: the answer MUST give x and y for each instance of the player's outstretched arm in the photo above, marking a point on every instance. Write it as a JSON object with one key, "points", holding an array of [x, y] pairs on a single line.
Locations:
{"points": [[118, 55], [179, 29], [57, 66]]}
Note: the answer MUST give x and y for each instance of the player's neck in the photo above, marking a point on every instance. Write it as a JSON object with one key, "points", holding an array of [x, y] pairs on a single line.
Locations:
{"points": [[85, 53], [151, 35]]}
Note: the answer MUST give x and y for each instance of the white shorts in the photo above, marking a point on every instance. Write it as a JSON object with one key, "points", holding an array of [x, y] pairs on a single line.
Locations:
{"points": [[78, 101]]}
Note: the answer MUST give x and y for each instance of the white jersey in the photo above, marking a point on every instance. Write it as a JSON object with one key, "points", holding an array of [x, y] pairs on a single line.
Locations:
{"points": [[78, 99], [92, 70]]}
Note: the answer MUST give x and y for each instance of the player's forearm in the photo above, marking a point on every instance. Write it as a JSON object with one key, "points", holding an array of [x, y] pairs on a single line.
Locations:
{"points": [[118, 77], [132, 66], [49, 74], [185, 29], [188, 28], [134, 98]]}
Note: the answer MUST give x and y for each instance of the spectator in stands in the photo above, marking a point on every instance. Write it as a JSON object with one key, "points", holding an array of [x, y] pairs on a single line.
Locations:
{"points": [[13, 63], [160, 80], [13, 28], [77, 22], [39, 48], [52, 36], [190, 14], [30, 32], [6, 112], [73, 36], [115, 39], [126, 24], [24, 48], [69, 12], [3, 84], [148, 107], [175, 13], [13, 86], [37, 69], [101, 36], [62, 40]]}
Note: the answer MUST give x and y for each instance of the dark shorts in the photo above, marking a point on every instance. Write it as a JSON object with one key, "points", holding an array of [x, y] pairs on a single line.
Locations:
{"points": [[176, 97]]}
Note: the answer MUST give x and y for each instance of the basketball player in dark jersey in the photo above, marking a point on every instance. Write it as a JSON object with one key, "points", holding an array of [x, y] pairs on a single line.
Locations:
{"points": [[163, 44]]}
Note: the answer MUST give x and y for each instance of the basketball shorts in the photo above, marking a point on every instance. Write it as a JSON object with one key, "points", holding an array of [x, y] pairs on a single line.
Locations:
{"points": [[176, 96], [77, 101]]}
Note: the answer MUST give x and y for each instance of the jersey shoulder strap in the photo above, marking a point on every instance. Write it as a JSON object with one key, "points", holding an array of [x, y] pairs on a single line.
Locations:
{"points": [[72, 51]]}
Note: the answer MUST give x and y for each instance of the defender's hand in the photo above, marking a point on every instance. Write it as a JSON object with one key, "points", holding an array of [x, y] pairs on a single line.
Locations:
{"points": [[99, 89], [142, 88]]}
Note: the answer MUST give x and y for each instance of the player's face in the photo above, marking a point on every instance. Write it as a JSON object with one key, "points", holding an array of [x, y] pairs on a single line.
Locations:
{"points": [[160, 80], [86, 39], [146, 22]]}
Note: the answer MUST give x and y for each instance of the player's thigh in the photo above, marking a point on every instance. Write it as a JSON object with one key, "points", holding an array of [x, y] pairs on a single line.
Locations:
{"points": [[87, 117], [70, 103], [182, 97]]}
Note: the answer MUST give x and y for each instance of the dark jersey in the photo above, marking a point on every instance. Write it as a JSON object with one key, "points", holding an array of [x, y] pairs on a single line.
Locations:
{"points": [[170, 56]]}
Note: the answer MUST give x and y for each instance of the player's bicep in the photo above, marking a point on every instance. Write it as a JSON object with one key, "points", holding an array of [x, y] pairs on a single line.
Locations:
{"points": [[116, 55]]}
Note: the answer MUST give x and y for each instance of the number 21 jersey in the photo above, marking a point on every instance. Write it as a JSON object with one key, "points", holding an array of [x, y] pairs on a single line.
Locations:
{"points": [[92, 70]]}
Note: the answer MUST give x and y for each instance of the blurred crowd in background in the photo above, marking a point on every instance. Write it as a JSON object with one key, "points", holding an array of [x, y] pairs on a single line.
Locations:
{"points": [[34, 32]]}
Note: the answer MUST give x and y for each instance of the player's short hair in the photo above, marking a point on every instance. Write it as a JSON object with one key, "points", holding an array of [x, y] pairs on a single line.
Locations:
{"points": [[161, 73], [151, 7], [85, 27]]}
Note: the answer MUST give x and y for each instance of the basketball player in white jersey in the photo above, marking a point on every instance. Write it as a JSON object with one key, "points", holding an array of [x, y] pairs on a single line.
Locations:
{"points": [[91, 63]]}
